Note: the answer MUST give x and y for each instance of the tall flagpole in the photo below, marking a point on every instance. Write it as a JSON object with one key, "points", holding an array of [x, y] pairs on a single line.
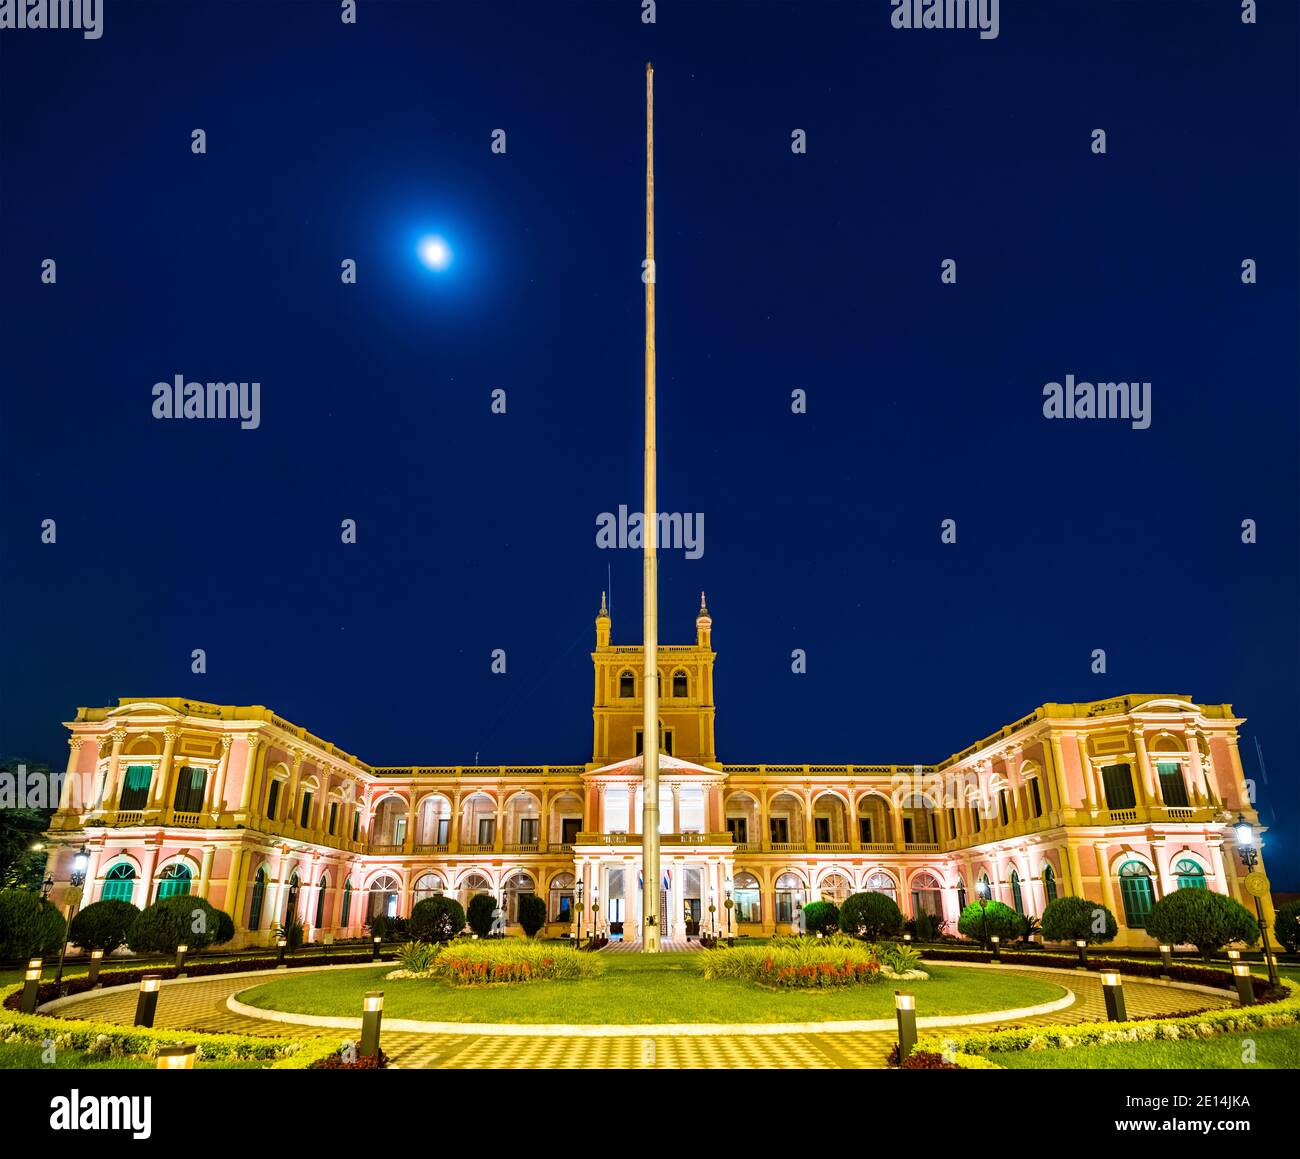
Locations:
{"points": [[650, 884]]}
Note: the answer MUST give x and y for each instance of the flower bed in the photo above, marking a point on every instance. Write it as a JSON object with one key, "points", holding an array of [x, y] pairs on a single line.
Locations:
{"points": [[803, 966], [512, 960]]}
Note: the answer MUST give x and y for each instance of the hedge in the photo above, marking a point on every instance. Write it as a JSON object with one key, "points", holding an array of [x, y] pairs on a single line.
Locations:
{"points": [[1208, 1024]]}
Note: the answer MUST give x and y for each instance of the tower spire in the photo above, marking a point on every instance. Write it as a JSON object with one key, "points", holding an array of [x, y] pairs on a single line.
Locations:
{"points": [[650, 885]]}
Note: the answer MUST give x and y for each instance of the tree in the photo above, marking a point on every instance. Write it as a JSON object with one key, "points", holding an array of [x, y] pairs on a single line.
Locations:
{"points": [[872, 916], [1067, 919], [175, 921], [821, 917], [1286, 925], [532, 913], [980, 924], [1201, 918], [29, 925], [436, 919], [103, 925], [481, 913]]}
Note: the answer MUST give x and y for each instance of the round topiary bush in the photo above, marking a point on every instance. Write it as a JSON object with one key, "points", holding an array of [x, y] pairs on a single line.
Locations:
{"points": [[225, 928], [995, 918], [29, 925], [482, 908], [436, 919], [1201, 918], [532, 913], [172, 922], [821, 917], [872, 916], [388, 929], [1067, 919], [104, 925], [1286, 926]]}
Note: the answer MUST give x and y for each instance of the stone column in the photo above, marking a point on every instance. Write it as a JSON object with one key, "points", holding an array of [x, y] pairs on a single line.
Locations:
{"points": [[291, 789], [250, 775], [89, 892], [217, 800], [161, 793], [855, 836], [1160, 855], [70, 797], [809, 839], [1145, 773], [631, 808], [148, 865], [205, 870], [412, 820], [1071, 860], [1103, 875], [677, 807], [1085, 765], [113, 779], [764, 822], [236, 882], [1060, 786], [453, 829], [1203, 787]]}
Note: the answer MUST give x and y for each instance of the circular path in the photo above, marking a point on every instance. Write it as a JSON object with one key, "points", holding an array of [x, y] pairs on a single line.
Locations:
{"points": [[201, 1006]]}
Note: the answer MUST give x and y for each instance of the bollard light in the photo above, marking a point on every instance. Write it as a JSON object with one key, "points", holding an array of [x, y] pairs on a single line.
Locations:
{"points": [[147, 1002], [374, 950], [372, 1013], [907, 937], [905, 1010], [181, 951], [1166, 960], [1082, 946], [280, 944], [995, 941], [1234, 955], [1245, 990], [1113, 991], [92, 975], [31, 986], [176, 1057]]}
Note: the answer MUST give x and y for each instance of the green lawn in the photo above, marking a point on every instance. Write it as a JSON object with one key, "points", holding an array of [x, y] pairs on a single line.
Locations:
{"points": [[636, 989], [1278, 1048]]}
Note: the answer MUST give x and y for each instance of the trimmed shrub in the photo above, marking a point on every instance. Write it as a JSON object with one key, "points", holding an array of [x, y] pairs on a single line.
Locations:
{"points": [[29, 925], [225, 928], [436, 919], [1287, 926], [1201, 918], [532, 913], [926, 927], [174, 921], [481, 963], [482, 907], [821, 917], [1067, 919], [995, 918], [388, 929], [103, 925], [871, 916]]}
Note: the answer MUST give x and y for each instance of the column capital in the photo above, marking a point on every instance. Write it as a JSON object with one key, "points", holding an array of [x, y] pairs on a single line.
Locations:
{"points": [[118, 736], [75, 743]]}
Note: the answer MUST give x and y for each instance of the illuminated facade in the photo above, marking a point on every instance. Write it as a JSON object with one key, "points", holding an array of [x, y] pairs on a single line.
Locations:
{"points": [[1120, 800]]}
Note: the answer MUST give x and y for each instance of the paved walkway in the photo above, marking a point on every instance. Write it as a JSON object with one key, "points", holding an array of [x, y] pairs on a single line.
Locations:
{"points": [[202, 1006]]}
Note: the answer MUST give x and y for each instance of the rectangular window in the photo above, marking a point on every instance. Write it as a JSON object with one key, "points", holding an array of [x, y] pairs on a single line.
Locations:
{"points": [[975, 818], [908, 831], [864, 830], [779, 830], [569, 829], [822, 829], [486, 830], [334, 816], [528, 831], [444, 830], [738, 827], [356, 825], [1035, 797], [273, 799], [1173, 789], [304, 815], [190, 784], [1003, 809], [952, 823], [1118, 784], [639, 745], [135, 789]]}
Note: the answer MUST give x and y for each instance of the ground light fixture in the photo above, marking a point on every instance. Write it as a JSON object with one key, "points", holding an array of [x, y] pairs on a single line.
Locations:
{"points": [[31, 986], [181, 951], [1112, 989], [1234, 955], [176, 1057], [372, 1013], [996, 942], [907, 938], [1245, 989], [1166, 960], [1081, 945], [147, 1001], [1256, 885], [374, 949], [905, 1010], [92, 975], [281, 943]]}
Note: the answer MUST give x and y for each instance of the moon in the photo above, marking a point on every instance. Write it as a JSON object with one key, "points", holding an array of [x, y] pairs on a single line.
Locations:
{"points": [[435, 252]]}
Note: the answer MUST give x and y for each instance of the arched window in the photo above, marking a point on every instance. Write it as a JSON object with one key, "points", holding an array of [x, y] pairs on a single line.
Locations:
{"points": [[119, 883], [427, 885], [291, 901], [1049, 883], [384, 892], [1017, 900], [475, 883], [746, 896], [174, 881], [679, 684], [984, 888], [789, 895], [961, 895], [835, 887], [1190, 874], [626, 685], [1136, 892], [320, 901], [347, 903], [880, 882], [927, 895], [517, 884], [259, 896], [560, 905]]}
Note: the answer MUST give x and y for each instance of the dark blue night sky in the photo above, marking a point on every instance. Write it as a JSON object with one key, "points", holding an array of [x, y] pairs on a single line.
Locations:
{"points": [[775, 272]]}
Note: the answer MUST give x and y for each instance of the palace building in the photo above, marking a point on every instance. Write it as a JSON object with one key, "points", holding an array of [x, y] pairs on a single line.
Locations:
{"points": [[1119, 800]]}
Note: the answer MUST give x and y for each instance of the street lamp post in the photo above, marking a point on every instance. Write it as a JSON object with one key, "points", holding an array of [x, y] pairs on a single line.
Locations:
{"points": [[577, 925], [77, 880], [1256, 884], [730, 905], [983, 891]]}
